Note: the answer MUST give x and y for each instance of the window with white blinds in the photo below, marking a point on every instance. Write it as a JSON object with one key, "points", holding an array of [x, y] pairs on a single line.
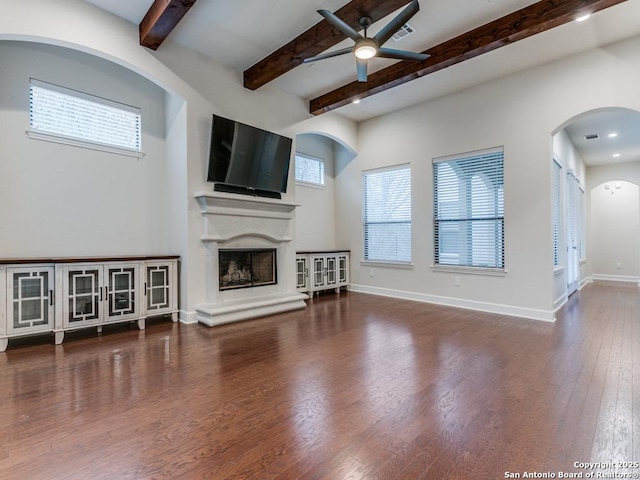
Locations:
{"points": [[469, 209], [309, 169], [556, 212], [77, 118], [387, 214]]}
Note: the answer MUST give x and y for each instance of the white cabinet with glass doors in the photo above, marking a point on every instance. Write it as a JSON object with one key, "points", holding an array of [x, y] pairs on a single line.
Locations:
{"points": [[317, 271], [69, 294], [98, 294]]}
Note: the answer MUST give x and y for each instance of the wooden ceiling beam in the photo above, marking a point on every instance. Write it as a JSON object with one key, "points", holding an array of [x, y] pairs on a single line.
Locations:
{"points": [[531, 20], [161, 19], [316, 40]]}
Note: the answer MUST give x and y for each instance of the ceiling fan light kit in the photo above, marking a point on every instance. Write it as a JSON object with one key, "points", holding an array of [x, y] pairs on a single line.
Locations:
{"points": [[366, 48], [369, 47]]}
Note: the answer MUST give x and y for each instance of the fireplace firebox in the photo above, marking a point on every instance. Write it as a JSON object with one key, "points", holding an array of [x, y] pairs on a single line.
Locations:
{"points": [[247, 267]]}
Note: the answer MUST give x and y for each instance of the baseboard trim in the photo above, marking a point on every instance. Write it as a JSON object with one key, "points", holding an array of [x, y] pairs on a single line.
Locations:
{"points": [[584, 282], [528, 313], [615, 278], [559, 303]]}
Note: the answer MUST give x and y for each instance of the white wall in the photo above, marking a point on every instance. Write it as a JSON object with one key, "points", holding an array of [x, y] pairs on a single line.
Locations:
{"points": [[315, 226], [614, 221], [61, 200], [520, 112]]}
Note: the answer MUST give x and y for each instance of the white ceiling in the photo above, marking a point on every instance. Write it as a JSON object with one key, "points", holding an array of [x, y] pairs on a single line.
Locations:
{"points": [[240, 33], [618, 138]]}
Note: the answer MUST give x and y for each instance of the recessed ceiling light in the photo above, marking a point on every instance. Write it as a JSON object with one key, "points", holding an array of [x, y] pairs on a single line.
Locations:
{"points": [[612, 135], [582, 18], [355, 100], [616, 155]]}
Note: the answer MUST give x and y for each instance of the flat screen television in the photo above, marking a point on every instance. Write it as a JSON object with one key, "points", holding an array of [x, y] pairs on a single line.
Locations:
{"points": [[248, 160]]}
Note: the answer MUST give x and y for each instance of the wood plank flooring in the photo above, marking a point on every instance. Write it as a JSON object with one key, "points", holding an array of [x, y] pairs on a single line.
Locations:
{"points": [[352, 387]]}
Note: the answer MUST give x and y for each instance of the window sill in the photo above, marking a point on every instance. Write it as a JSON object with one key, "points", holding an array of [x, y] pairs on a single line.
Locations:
{"points": [[491, 272], [74, 142], [381, 263], [319, 186]]}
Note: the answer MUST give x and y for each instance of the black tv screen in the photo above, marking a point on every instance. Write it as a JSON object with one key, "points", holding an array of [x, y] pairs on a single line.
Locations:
{"points": [[246, 159]]}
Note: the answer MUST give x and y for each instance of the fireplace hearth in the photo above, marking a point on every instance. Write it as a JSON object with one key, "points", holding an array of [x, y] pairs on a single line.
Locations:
{"points": [[245, 268]]}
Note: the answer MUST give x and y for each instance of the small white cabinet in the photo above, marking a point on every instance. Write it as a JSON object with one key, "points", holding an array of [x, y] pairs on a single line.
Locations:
{"points": [[58, 295], [317, 271], [160, 281], [30, 299]]}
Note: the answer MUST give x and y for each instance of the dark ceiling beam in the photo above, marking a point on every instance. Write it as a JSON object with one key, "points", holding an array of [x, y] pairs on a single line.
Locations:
{"points": [[535, 18], [316, 40], [161, 19]]}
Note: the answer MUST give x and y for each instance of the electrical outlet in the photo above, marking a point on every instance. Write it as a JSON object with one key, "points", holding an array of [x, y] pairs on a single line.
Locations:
{"points": [[456, 281], [372, 273], [618, 265]]}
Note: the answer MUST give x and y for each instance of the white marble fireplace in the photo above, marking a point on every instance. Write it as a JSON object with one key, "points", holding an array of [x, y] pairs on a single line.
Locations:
{"points": [[232, 221]]}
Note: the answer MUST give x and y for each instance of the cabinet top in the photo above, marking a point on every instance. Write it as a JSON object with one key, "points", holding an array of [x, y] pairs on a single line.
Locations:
{"points": [[130, 258], [320, 252]]}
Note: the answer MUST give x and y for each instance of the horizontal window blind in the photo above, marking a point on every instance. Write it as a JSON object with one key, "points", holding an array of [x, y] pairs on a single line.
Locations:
{"points": [[556, 213], [387, 214], [64, 112], [469, 209], [309, 169]]}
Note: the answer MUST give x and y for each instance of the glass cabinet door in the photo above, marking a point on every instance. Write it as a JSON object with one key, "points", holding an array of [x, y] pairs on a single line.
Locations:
{"points": [[342, 270], [301, 272], [318, 271], [158, 287], [331, 270], [84, 295], [121, 291], [30, 305]]}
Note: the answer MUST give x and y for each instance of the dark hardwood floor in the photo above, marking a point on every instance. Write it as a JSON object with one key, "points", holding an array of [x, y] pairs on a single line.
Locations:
{"points": [[353, 387]]}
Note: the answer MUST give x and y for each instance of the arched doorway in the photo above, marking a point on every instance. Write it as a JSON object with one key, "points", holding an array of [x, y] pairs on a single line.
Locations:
{"points": [[596, 202]]}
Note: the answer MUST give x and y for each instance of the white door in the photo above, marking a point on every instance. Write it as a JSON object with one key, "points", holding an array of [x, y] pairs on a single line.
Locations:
{"points": [[574, 222]]}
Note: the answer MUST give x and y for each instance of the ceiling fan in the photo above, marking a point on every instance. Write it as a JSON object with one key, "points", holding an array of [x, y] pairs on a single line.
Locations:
{"points": [[369, 47]]}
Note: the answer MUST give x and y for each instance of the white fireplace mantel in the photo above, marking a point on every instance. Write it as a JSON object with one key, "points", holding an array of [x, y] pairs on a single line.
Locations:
{"points": [[227, 202], [240, 221]]}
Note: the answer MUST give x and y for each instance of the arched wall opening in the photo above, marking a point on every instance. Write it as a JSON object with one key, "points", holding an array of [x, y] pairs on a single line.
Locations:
{"points": [[316, 215], [598, 202]]}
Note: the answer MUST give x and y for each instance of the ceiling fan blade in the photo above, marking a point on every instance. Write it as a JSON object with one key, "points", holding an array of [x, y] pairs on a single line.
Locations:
{"points": [[340, 25], [361, 64], [401, 55], [394, 25], [342, 51]]}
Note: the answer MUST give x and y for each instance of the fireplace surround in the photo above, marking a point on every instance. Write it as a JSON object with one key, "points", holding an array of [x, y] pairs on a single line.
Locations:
{"points": [[241, 223]]}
